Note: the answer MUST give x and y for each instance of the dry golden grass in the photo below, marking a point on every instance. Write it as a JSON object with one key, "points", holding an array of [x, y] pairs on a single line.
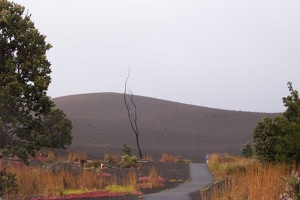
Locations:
{"points": [[168, 158], [39, 181], [76, 156], [149, 158], [153, 180], [246, 178], [61, 174], [175, 159], [130, 179], [49, 155], [53, 181]]}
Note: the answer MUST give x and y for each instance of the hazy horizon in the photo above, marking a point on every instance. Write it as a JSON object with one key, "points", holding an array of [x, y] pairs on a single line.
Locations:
{"points": [[234, 55]]}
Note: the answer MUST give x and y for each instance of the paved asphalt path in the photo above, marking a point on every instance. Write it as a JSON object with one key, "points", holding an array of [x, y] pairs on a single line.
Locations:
{"points": [[200, 177]]}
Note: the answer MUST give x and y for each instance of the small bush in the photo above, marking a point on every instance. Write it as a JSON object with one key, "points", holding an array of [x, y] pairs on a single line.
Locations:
{"points": [[126, 150], [247, 150], [8, 183], [128, 160], [292, 189]]}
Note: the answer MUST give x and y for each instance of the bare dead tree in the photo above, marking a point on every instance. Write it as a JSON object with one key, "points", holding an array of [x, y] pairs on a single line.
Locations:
{"points": [[132, 114]]}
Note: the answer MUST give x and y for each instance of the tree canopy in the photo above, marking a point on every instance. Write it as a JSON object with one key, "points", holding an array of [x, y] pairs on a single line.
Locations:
{"points": [[58, 129], [24, 80], [278, 139]]}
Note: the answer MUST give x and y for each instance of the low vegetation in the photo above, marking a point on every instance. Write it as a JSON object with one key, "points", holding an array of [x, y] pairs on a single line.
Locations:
{"points": [[268, 169], [171, 158], [247, 178], [49, 175], [7, 183]]}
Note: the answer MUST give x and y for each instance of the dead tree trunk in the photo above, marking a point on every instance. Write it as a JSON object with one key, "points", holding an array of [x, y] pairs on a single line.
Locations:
{"points": [[132, 115]]}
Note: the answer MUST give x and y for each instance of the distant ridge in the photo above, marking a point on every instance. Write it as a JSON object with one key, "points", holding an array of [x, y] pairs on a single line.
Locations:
{"points": [[100, 125]]}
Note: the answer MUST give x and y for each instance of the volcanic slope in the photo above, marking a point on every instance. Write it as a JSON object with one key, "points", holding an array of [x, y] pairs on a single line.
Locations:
{"points": [[100, 125]]}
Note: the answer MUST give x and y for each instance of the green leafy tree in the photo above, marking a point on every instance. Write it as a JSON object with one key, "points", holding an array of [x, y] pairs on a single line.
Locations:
{"points": [[24, 80], [247, 150], [292, 103], [58, 129], [288, 141], [264, 140], [278, 139]]}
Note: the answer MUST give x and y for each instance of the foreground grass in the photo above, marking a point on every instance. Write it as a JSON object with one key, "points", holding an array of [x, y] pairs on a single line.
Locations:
{"points": [[245, 179], [57, 177], [38, 181]]}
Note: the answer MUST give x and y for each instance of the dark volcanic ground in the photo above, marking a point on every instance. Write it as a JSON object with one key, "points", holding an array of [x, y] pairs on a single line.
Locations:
{"points": [[101, 125]]}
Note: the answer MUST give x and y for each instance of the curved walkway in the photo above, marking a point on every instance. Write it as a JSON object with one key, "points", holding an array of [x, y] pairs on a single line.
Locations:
{"points": [[200, 177]]}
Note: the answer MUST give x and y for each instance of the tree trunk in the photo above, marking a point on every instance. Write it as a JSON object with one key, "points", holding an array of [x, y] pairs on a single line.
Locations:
{"points": [[132, 117]]}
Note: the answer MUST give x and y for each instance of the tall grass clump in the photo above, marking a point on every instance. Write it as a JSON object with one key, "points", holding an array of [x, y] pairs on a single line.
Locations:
{"points": [[47, 182], [174, 159], [245, 178], [153, 180], [222, 165], [127, 184]]}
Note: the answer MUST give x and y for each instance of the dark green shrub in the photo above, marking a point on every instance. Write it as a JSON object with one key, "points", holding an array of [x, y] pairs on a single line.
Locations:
{"points": [[126, 150], [128, 159], [277, 140], [247, 150], [7, 183]]}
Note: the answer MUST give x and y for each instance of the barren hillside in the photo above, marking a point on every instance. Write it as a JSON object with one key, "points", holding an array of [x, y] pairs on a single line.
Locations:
{"points": [[100, 125]]}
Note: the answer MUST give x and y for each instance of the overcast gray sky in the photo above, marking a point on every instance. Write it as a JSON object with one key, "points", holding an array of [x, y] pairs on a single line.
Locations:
{"points": [[228, 54]]}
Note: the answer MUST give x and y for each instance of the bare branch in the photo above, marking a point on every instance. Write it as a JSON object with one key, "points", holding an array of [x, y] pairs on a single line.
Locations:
{"points": [[132, 117], [135, 112]]}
